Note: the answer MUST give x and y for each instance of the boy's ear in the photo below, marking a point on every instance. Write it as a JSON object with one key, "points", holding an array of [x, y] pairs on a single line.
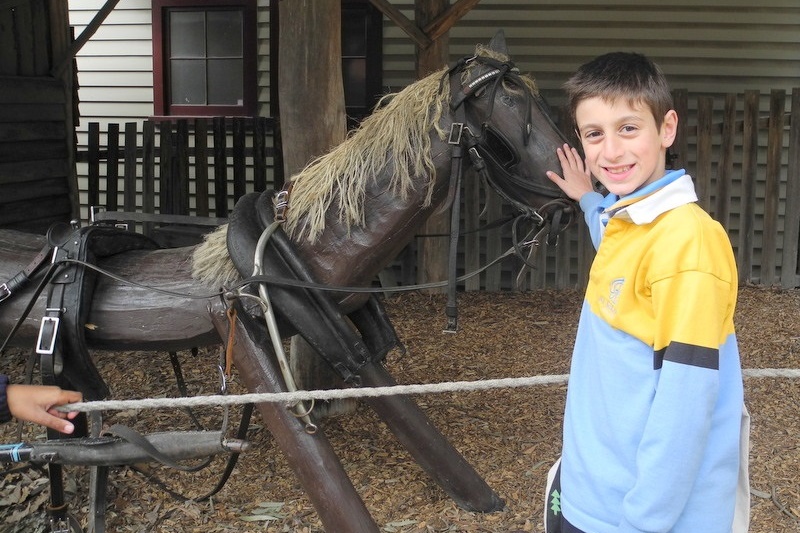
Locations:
{"points": [[669, 128]]}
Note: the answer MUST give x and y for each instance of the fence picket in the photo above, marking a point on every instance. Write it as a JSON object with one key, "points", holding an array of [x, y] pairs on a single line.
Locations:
{"points": [[129, 172], [705, 132], [201, 166], [790, 277], [112, 167], [725, 167], [220, 168], [749, 168], [771, 194]]}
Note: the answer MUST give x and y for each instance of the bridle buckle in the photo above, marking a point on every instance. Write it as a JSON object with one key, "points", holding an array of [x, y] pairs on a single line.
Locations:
{"points": [[456, 132]]}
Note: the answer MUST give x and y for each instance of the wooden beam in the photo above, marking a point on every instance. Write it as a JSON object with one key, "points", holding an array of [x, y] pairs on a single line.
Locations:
{"points": [[447, 19], [85, 35], [417, 35]]}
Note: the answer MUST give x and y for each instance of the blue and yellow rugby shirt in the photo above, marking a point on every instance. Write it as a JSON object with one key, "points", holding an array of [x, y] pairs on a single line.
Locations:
{"points": [[651, 428]]}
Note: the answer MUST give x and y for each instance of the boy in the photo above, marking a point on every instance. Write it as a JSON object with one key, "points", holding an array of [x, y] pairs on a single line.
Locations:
{"points": [[654, 407], [35, 403]]}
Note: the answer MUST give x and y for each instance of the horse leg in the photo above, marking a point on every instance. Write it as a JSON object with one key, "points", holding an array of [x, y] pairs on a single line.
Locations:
{"points": [[311, 457]]}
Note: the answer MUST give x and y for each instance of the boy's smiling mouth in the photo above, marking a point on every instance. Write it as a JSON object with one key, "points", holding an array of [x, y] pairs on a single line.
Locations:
{"points": [[618, 173]]}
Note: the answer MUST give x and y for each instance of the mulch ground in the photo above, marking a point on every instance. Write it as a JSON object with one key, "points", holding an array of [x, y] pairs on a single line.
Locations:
{"points": [[510, 436]]}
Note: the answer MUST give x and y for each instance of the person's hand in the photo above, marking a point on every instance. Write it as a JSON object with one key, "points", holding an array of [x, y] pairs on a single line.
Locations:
{"points": [[36, 403], [577, 179]]}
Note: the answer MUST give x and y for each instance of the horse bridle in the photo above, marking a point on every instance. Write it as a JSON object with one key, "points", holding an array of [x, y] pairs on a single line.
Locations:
{"points": [[553, 217], [502, 180]]}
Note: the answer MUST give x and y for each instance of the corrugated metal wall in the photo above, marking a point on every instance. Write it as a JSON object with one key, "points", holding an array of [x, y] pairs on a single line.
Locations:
{"points": [[714, 46]]}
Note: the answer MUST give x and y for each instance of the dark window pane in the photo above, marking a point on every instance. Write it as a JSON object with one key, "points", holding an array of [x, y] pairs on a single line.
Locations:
{"points": [[354, 36], [224, 34], [354, 74], [188, 82], [187, 34], [225, 82]]}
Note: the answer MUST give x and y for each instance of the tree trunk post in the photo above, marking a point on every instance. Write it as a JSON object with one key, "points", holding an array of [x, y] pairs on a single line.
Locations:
{"points": [[432, 251], [311, 91]]}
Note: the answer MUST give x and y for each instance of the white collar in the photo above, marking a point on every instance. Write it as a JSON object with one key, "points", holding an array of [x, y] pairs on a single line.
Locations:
{"points": [[674, 194]]}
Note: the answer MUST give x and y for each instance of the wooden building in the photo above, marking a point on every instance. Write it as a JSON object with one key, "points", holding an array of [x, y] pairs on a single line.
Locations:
{"points": [[37, 144]]}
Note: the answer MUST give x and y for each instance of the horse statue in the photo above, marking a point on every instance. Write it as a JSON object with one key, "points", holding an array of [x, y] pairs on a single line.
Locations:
{"points": [[300, 263]]}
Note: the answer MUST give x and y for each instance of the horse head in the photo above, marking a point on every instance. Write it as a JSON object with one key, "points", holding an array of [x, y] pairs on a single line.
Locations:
{"points": [[508, 124]]}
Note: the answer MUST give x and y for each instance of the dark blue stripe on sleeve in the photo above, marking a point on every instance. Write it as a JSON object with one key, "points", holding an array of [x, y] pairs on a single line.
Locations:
{"points": [[687, 354]]}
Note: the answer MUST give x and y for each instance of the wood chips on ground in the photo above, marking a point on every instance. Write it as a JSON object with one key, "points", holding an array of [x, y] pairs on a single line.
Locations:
{"points": [[511, 436]]}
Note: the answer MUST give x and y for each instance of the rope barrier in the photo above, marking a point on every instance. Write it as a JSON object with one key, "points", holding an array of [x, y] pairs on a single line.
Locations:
{"points": [[366, 392]]}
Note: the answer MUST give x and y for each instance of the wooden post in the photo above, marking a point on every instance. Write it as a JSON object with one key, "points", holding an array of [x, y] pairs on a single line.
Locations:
{"points": [[310, 83], [432, 251], [311, 457], [429, 448]]}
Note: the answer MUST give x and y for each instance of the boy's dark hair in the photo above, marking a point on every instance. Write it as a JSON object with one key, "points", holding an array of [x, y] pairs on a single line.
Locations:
{"points": [[621, 75]]}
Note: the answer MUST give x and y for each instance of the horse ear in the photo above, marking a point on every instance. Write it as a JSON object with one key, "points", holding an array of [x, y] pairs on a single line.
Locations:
{"points": [[498, 43]]}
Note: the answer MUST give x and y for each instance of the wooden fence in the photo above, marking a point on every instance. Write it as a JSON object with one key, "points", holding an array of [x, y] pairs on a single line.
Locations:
{"points": [[747, 173], [746, 166], [195, 167]]}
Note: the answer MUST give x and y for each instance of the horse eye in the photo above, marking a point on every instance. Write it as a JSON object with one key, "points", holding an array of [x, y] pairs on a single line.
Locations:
{"points": [[499, 148]]}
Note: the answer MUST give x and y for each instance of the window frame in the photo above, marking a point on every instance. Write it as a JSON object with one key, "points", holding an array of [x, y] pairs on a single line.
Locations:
{"points": [[161, 83]]}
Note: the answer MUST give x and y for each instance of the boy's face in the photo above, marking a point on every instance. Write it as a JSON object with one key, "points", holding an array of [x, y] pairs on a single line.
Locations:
{"points": [[624, 148]]}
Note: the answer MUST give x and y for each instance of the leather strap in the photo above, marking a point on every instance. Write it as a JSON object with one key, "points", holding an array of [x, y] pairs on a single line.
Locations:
{"points": [[56, 236], [23, 276]]}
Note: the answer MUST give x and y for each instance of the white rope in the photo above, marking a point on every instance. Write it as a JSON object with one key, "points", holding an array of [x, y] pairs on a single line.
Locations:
{"points": [[291, 398]]}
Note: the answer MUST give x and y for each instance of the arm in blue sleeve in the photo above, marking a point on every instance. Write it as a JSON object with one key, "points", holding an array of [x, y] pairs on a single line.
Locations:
{"points": [[590, 205]]}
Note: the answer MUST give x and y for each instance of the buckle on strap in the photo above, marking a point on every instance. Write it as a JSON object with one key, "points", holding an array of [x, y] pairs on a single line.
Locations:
{"points": [[5, 292], [456, 131], [48, 333], [280, 203]]}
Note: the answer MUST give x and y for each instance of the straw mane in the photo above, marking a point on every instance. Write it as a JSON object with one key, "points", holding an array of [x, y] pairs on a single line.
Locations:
{"points": [[397, 133]]}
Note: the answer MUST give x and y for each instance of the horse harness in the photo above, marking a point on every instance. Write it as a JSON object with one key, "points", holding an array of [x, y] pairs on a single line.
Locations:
{"points": [[64, 359]]}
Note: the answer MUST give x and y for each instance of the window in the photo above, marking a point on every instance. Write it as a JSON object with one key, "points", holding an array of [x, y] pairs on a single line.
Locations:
{"points": [[204, 57], [362, 31]]}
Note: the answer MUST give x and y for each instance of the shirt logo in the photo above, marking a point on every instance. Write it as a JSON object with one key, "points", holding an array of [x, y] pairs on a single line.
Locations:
{"points": [[609, 304]]}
